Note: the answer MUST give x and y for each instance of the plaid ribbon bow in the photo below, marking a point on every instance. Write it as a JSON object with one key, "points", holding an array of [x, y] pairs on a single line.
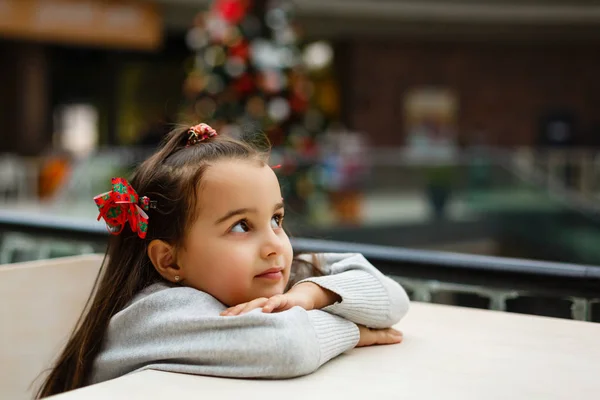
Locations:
{"points": [[121, 205]]}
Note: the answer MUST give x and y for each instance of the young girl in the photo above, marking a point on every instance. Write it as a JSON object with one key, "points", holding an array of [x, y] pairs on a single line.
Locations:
{"points": [[197, 278]]}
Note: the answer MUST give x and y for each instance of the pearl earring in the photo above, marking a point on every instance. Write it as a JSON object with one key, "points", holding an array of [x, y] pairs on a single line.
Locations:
{"points": [[177, 278]]}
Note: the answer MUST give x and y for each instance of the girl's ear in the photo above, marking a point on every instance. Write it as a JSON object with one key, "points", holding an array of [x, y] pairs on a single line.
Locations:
{"points": [[162, 256]]}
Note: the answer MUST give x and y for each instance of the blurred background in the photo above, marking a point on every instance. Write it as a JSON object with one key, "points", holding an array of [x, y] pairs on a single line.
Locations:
{"points": [[455, 125]]}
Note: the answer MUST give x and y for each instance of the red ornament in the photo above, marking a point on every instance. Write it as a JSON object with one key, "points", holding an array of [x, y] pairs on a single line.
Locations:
{"points": [[298, 104], [244, 84], [310, 148], [232, 11], [240, 50]]}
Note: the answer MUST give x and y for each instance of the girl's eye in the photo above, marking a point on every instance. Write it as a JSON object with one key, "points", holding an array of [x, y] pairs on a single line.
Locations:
{"points": [[240, 227], [277, 221]]}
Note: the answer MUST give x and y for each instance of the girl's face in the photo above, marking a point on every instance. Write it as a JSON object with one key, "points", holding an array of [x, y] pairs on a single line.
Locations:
{"points": [[236, 250]]}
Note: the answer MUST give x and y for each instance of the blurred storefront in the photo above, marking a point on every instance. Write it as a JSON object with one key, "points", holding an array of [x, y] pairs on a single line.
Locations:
{"points": [[76, 66], [513, 68], [514, 71]]}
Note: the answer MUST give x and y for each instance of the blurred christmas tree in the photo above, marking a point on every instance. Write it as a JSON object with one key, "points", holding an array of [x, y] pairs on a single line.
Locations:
{"points": [[248, 71]]}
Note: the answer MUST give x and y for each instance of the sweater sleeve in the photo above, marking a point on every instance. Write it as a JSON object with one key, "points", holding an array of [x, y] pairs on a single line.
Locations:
{"points": [[180, 330], [368, 297]]}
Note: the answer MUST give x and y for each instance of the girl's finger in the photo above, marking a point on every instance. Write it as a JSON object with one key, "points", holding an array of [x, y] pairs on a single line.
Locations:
{"points": [[273, 303], [256, 303], [389, 336], [228, 311], [396, 332], [284, 304], [233, 310]]}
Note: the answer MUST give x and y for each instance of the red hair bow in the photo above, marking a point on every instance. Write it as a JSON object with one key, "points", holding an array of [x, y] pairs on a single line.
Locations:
{"points": [[121, 205]]}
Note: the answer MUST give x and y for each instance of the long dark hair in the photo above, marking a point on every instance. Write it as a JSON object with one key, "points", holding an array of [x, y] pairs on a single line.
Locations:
{"points": [[170, 177]]}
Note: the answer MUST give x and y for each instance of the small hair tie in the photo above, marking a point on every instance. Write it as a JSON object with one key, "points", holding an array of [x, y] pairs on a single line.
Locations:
{"points": [[147, 204], [198, 133]]}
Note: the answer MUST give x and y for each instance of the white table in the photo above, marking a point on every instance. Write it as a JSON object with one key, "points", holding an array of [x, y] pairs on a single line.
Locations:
{"points": [[447, 353]]}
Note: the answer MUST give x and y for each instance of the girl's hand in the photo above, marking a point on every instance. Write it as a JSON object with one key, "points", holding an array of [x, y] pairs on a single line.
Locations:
{"points": [[276, 303], [371, 337], [307, 295], [245, 307]]}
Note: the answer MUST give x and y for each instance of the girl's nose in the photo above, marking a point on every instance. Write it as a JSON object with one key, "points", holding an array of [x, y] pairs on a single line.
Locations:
{"points": [[272, 244]]}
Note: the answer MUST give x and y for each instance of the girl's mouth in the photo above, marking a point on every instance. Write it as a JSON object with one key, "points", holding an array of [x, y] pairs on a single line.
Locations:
{"points": [[272, 273]]}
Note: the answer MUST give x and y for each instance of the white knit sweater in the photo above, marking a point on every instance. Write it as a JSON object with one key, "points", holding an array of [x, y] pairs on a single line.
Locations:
{"points": [[179, 329]]}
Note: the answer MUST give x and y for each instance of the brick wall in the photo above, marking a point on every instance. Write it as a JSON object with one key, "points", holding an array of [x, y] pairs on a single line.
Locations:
{"points": [[502, 88]]}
